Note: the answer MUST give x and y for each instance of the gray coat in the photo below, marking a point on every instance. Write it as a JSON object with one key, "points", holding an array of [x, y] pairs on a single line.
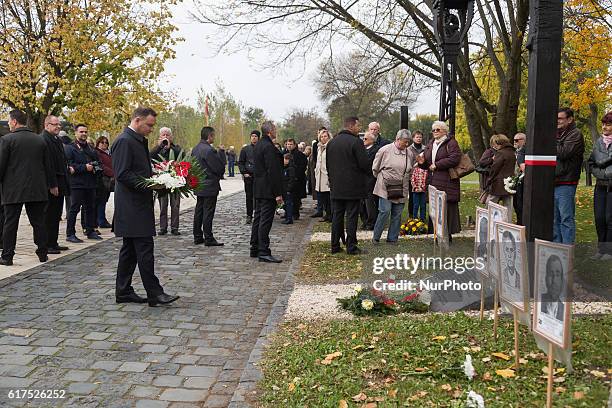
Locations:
{"points": [[24, 167], [213, 167], [134, 216], [601, 162]]}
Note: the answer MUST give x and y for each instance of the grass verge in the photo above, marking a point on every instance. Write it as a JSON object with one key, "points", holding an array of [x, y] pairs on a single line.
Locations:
{"points": [[413, 361]]}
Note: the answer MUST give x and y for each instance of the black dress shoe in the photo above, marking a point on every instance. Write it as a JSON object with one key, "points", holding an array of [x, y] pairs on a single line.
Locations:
{"points": [[60, 248], [357, 251], [286, 222], [6, 262], [337, 250], [131, 298], [175, 232], [74, 239], [316, 215], [198, 241], [43, 257], [213, 243], [162, 299], [53, 251], [269, 258], [94, 236], [106, 225], [163, 232]]}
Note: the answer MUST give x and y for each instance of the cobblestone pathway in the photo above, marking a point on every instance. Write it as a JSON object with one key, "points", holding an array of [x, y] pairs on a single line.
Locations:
{"points": [[60, 328]]}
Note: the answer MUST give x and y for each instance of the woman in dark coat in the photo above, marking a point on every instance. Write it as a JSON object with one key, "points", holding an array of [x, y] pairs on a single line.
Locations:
{"points": [[504, 164], [443, 153], [102, 190], [484, 167]]}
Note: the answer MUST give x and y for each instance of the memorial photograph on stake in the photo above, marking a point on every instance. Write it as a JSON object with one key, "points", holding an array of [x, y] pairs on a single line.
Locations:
{"points": [[496, 213], [441, 215], [512, 263], [482, 237], [431, 195], [552, 291]]}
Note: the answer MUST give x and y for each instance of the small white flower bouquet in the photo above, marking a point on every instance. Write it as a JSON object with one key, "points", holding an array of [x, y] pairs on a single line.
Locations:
{"points": [[512, 182]]}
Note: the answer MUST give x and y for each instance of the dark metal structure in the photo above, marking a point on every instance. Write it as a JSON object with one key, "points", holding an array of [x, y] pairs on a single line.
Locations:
{"points": [[452, 19]]}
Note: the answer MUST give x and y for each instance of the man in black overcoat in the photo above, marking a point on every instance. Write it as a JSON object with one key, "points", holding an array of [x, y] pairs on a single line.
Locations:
{"points": [[213, 167], [24, 170], [300, 162], [347, 170], [268, 192], [246, 165], [59, 178], [134, 214]]}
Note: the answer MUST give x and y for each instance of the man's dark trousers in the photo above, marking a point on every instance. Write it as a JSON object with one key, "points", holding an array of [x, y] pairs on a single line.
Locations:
{"points": [[137, 251], [52, 219], [248, 189], [203, 218], [85, 197], [175, 206], [517, 202], [1, 224], [340, 208], [36, 215], [262, 224]]}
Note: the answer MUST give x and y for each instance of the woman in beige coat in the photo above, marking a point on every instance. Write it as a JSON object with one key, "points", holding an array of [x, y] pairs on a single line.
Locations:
{"points": [[321, 179], [392, 166]]}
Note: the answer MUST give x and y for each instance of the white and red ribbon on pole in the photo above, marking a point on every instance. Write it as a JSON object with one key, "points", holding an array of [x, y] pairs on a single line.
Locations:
{"points": [[534, 160]]}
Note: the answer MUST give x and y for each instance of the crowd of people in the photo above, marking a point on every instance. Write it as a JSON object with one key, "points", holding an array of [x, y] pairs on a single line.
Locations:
{"points": [[350, 177]]}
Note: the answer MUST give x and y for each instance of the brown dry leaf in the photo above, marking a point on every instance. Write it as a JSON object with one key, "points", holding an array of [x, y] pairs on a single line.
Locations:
{"points": [[457, 393], [418, 395], [301, 326], [330, 357], [439, 338], [560, 390], [454, 336], [369, 405], [379, 399], [598, 374], [507, 373], [406, 355], [501, 355], [475, 349], [523, 361], [486, 359], [578, 395], [420, 369], [559, 379], [359, 347], [353, 336], [447, 387], [291, 387], [487, 376], [360, 397], [392, 393], [343, 404]]}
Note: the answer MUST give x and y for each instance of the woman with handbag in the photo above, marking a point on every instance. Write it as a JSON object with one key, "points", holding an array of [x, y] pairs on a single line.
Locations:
{"points": [[105, 183], [504, 163], [391, 168], [440, 157]]}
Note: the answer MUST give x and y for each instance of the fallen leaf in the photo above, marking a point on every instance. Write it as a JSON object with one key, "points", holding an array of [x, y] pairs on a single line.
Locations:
{"points": [[447, 387], [486, 376], [560, 390], [507, 373], [523, 361], [359, 347], [454, 336], [439, 338], [598, 374], [343, 404], [501, 355], [291, 387], [353, 336], [420, 369], [475, 349], [360, 397], [330, 357], [392, 393], [370, 405], [379, 399], [418, 395], [486, 359], [457, 393], [578, 395], [559, 379]]}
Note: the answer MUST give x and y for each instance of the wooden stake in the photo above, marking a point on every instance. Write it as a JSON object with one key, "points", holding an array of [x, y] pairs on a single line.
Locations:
{"points": [[495, 317], [516, 340], [482, 300], [551, 363]]}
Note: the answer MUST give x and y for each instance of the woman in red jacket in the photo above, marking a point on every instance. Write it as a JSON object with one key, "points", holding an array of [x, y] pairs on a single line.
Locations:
{"points": [[105, 181]]}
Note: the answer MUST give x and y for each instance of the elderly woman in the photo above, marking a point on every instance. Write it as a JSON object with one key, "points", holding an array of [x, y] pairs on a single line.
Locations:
{"points": [[391, 168], [503, 166], [321, 178], [441, 155], [600, 162]]}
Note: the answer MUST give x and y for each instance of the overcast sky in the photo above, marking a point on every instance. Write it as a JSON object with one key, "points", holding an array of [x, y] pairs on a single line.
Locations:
{"points": [[276, 93]]}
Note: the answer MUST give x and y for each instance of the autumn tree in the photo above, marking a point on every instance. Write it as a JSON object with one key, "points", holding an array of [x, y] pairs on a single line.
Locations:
{"points": [[91, 60], [301, 125]]}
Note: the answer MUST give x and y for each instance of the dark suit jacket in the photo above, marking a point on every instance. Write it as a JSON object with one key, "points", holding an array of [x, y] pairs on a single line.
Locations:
{"points": [[268, 174], [213, 166], [78, 157], [24, 167], [59, 165], [300, 162], [347, 167], [134, 216]]}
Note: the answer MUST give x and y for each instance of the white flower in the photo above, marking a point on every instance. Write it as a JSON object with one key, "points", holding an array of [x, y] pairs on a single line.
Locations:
{"points": [[358, 288], [468, 368], [367, 304], [425, 297], [169, 181], [475, 400]]}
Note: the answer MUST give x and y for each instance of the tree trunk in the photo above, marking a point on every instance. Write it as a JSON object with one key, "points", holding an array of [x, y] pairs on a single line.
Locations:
{"points": [[475, 131]]}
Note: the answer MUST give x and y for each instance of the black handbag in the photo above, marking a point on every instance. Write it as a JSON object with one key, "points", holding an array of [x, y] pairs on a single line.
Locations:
{"points": [[395, 190]]}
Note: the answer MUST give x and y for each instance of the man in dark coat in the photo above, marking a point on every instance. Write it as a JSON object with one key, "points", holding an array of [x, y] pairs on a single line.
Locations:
{"points": [[300, 164], [59, 178], [246, 165], [369, 205], [268, 192], [213, 167], [347, 168], [517, 199], [134, 215], [24, 175], [83, 182]]}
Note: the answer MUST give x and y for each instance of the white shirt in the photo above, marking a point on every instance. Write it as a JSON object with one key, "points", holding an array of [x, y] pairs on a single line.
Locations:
{"points": [[436, 146]]}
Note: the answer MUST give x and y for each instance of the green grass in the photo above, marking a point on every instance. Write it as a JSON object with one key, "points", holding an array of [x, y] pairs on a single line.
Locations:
{"points": [[395, 361]]}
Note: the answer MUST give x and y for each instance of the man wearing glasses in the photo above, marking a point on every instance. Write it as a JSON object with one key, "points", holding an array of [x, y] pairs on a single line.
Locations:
{"points": [[519, 145], [59, 178]]}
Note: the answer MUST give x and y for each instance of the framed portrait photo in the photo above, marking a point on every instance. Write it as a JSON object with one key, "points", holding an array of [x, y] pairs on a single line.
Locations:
{"points": [[512, 264], [496, 213], [552, 291], [482, 238], [441, 214], [431, 195]]}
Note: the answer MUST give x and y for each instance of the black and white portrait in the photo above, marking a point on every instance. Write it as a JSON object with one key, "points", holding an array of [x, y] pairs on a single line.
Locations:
{"points": [[496, 213], [511, 251], [441, 217], [553, 281], [432, 195], [482, 236]]}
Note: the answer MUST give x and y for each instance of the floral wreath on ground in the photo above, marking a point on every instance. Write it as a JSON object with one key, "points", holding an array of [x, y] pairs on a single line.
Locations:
{"points": [[182, 175], [413, 226], [372, 302]]}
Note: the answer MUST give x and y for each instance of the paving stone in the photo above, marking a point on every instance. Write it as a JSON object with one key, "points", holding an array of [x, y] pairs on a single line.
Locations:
{"points": [[211, 351], [48, 342], [217, 401], [106, 365], [169, 333], [81, 388], [140, 391], [45, 351], [199, 382], [17, 359], [97, 336], [199, 371], [182, 394], [15, 382], [78, 375], [149, 339], [153, 348], [168, 381], [151, 404], [133, 366]]}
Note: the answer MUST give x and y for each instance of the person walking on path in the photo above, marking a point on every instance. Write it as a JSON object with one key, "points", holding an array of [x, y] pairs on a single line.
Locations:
{"points": [[441, 155], [26, 176], [246, 165], [347, 168], [392, 167], [231, 161], [59, 169], [268, 192], [206, 205], [134, 214], [162, 151], [601, 164], [504, 163], [570, 151], [321, 177]]}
